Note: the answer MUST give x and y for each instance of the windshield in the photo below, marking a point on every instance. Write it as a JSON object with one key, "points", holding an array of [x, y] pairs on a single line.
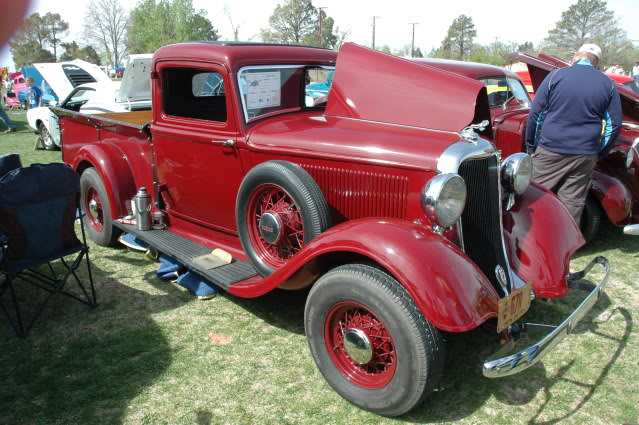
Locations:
{"points": [[631, 85], [271, 89], [504, 91], [78, 98]]}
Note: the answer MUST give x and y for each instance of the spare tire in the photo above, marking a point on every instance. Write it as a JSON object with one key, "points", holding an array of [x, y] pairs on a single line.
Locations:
{"points": [[280, 208]]}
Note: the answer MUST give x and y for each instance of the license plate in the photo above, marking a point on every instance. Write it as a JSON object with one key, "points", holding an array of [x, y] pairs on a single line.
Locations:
{"points": [[513, 307]]}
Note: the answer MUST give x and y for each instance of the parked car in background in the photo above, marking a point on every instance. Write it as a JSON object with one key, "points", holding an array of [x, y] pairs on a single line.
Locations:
{"points": [[392, 211], [615, 189], [14, 84], [319, 89], [627, 82], [615, 185], [133, 93], [524, 76]]}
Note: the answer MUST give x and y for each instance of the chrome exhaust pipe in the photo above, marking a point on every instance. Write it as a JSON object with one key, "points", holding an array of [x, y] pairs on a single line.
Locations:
{"points": [[631, 229]]}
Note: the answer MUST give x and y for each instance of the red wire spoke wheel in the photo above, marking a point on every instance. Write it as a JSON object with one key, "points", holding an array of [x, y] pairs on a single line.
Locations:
{"points": [[360, 345], [370, 341], [93, 208], [275, 224], [280, 209], [97, 212]]}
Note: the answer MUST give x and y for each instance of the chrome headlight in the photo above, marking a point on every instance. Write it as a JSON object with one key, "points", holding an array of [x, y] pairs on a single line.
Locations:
{"points": [[444, 198], [516, 172]]}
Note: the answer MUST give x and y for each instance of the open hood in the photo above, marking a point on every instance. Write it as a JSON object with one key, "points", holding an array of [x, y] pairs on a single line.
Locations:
{"points": [[63, 77], [136, 81], [374, 86], [540, 67]]}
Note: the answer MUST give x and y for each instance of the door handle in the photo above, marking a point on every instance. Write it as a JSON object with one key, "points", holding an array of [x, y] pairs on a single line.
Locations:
{"points": [[230, 143]]}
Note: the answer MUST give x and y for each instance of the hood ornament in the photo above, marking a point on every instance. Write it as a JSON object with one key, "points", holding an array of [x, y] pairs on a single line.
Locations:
{"points": [[469, 133]]}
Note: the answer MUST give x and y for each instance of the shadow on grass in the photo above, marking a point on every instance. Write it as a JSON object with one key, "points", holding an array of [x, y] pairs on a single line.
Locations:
{"points": [[279, 308], [464, 390], [80, 365], [611, 237]]}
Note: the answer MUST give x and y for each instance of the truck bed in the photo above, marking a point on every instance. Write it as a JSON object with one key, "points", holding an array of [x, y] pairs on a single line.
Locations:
{"points": [[135, 117]]}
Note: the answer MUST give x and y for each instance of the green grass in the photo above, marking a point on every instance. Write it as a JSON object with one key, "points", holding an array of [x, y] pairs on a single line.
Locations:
{"points": [[144, 357]]}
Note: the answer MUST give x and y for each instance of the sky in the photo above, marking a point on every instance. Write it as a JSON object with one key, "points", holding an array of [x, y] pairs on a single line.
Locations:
{"points": [[502, 21]]}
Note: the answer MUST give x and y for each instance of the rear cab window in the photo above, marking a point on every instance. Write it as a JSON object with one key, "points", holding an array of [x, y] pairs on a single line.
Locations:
{"points": [[194, 93]]}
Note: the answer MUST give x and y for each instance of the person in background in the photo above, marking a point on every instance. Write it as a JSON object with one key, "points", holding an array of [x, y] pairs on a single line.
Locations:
{"points": [[7, 121], [635, 72], [34, 94], [565, 134]]}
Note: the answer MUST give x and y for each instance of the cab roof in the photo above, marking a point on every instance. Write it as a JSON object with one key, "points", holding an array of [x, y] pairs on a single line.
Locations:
{"points": [[472, 70], [237, 54]]}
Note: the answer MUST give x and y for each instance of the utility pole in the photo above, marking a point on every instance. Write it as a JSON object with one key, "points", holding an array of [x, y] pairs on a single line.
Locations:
{"points": [[412, 44], [374, 17], [321, 43]]}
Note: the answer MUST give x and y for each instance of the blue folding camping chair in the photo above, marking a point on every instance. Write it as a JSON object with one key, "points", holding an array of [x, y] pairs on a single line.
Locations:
{"points": [[38, 208]]}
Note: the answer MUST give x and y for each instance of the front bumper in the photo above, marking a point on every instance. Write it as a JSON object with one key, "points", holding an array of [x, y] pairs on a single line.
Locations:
{"points": [[503, 364], [631, 229]]}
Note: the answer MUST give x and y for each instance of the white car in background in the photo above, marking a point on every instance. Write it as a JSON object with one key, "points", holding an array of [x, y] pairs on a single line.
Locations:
{"points": [[90, 91]]}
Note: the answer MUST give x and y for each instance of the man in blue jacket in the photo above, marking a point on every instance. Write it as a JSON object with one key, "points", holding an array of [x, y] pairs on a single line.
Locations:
{"points": [[574, 120]]}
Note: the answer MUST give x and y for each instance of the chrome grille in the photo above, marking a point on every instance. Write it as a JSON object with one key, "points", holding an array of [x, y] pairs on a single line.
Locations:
{"points": [[481, 219]]}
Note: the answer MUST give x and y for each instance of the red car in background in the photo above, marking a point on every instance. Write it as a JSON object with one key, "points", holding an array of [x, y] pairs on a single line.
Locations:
{"points": [[615, 187], [624, 80]]}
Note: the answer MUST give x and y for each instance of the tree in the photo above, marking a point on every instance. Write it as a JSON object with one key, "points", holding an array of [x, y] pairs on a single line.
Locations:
{"points": [[291, 23], [73, 51], [527, 47], [329, 37], [56, 29], [404, 51], [105, 25], [588, 21], [341, 37], [157, 23], [28, 45], [29, 53], [459, 39], [418, 53]]}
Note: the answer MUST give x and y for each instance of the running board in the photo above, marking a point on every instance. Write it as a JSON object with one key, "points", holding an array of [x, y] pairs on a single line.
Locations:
{"points": [[184, 251]]}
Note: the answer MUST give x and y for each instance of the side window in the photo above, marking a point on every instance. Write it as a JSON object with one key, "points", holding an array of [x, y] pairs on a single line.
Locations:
{"points": [[194, 93]]}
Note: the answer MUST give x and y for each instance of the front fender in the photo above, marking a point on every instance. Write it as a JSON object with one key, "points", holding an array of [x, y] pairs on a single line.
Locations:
{"points": [[447, 287], [114, 170], [613, 196], [541, 238]]}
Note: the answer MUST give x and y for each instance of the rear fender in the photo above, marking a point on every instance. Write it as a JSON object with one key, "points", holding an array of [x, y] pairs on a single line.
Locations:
{"points": [[116, 174], [541, 238], [613, 196], [447, 287]]}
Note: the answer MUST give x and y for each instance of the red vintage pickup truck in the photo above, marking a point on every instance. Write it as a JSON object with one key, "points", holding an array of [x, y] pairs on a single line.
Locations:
{"points": [[397, 210]]}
